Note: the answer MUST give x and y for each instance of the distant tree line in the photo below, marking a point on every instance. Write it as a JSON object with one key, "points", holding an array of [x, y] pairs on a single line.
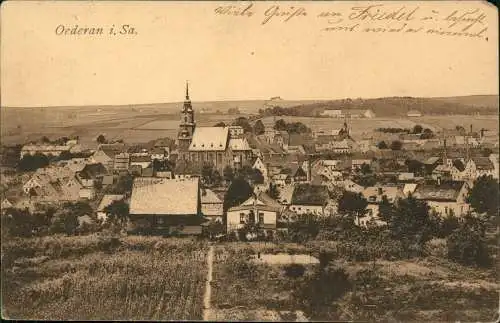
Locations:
{"points": [[292, 127]]}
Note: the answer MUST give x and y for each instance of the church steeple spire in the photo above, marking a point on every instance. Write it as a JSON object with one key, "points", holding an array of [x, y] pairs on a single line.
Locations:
{"points": [[187, 124]]}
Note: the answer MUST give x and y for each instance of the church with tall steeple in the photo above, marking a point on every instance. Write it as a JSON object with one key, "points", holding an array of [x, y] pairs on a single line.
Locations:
{"points": [[218, 146], [187, 125]]}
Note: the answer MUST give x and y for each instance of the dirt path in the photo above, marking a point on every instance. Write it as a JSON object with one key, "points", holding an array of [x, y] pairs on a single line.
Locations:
{"points": [[208, 287]]}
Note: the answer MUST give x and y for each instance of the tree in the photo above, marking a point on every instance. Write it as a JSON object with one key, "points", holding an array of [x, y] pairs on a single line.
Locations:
{"points": [[33, 162], [467, 244], [65, 155], [415, 166], [365, 169], [257, 176], [484, 195], [214, 228], [385, 209], [207, 173], [123, 185], [396, 145], [216, 178], [418, 129], [65, 219], [220, 124], [352, 204], [228, 173], [258, 127], [101, 139], [18, 223], [238, 192], [411, 224], [118, 212], [460, 129], [486, 152], [273, 191], [427, 134], [280, 125], [244, 123], [382, 145], [45, 140]]}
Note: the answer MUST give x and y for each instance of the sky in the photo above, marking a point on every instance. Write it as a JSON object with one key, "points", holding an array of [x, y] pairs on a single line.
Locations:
{"points": [[228, 57]]}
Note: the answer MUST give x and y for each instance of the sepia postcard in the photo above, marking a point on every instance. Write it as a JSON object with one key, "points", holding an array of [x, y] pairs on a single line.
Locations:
{"points": [[249, 161]]}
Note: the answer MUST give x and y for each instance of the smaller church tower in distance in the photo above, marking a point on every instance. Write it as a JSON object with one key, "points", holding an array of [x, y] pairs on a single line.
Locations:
{"points": [[187, 125]]}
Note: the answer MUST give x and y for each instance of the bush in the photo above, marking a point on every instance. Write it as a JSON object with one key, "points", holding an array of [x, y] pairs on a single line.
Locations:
{"points": [[295, 270], [468, 246], [109, 244], [436, 247], [319, 291]]}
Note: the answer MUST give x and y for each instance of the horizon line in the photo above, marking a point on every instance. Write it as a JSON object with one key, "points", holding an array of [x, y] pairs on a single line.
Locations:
{"points": [[239, 100]]}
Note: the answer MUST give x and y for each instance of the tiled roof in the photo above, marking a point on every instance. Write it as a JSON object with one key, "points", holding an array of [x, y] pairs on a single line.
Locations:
{"points": [[112, 149], [209, 139], [164, 196], [483, 163], [208, 196], [140, 159], [260, 202], [239, 144], [432, 160], [107, 200], [447, 191]]}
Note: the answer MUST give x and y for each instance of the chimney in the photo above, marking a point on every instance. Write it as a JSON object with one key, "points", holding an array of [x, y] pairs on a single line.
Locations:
{"points": [[471, 129]]}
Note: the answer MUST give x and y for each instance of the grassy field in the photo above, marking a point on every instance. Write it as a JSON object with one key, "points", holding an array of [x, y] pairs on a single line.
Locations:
{"points": [[142, 123], [425, 289], [87, 278]]}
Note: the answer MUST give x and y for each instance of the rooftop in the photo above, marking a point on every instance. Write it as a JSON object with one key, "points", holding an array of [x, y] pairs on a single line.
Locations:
{"points": [[170, 196], [446, 191], [209, 139], [107, 200], [239, 144]]}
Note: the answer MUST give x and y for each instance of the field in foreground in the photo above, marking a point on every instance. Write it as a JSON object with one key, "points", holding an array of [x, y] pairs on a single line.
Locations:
{"points": [[422, 289], [93, 278]]}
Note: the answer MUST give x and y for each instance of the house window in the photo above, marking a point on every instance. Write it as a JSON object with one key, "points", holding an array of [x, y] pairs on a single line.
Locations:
{"points": [[159, 221], [242, 218], [261, 217]]}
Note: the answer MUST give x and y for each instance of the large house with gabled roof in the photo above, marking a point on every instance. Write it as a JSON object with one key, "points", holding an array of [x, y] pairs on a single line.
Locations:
{"points": [[166, 206]]}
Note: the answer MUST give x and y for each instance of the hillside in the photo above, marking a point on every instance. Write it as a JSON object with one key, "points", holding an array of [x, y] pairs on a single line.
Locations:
{"points": [[473, 100], [399, 106]]}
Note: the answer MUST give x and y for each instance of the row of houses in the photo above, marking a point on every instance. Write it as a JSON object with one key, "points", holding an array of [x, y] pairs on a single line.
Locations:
{"points": [[184, 207]]}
